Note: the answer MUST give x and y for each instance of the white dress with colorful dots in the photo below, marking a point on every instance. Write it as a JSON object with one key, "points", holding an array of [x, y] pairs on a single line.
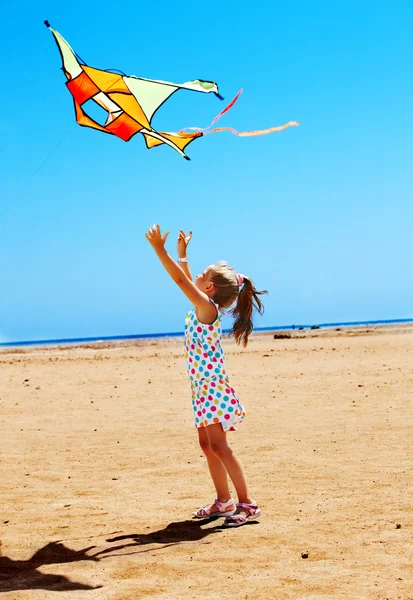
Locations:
{"points": [[213, 399]]}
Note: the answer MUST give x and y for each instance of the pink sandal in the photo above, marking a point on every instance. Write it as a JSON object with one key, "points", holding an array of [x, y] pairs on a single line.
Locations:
{"points": [[240, 519], [205, 511]]}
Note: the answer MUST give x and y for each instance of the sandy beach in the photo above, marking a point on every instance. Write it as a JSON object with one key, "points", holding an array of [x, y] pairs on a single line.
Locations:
{"points": [[101, 470]]}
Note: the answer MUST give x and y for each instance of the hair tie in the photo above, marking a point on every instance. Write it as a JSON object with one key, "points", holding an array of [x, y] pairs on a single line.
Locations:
{"points": [[240, 279]]}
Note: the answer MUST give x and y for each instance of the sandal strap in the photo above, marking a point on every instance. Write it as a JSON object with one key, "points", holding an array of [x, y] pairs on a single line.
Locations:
{"points": [[237, 519], [222, 506], [251, 508], [205, 510]]}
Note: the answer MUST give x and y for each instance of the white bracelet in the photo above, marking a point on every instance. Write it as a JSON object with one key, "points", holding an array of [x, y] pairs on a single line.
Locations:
{"points": [[182, 260]]}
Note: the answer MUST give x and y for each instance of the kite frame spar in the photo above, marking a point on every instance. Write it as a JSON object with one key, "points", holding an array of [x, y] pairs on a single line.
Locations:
{"points": [[131, 102]]}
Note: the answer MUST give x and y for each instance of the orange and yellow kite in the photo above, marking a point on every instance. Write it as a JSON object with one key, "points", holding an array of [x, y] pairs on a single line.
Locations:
{"points": [[131, 102]]}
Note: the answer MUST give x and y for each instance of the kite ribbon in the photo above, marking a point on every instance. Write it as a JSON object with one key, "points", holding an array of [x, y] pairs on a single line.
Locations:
{"points": [[256, 132], [208, 130], [226, 109]]}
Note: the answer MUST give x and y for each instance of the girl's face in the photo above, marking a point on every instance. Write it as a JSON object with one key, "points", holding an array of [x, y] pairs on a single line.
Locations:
{"points": [[203, 282]]}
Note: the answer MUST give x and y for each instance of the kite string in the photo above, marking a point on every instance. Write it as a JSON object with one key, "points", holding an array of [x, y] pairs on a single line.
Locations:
{"points": [[20, 192]]}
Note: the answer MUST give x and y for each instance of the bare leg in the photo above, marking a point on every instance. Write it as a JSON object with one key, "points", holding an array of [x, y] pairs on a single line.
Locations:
{"points": [[216, 469], [218, 442]]}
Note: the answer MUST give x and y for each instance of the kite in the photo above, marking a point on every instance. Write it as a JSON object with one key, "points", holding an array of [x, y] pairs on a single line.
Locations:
{"points": [[131, 102]]}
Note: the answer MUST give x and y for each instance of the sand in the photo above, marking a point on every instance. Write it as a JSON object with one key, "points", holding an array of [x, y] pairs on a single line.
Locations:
{"points": [[100, 471]]}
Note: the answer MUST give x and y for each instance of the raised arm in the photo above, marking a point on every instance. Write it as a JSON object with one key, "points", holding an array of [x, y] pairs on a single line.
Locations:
{"points": [[206, 311], [183, 241]]}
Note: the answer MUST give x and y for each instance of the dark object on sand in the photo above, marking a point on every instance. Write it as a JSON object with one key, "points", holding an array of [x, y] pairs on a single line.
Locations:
{"points": [[282, 336], [304, 554], [315, 326]]}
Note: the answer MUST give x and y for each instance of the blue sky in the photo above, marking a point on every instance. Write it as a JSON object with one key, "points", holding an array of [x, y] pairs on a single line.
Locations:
{"points": [[320, 215]]}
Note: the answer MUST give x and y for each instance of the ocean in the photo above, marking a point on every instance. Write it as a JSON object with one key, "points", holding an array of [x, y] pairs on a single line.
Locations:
{"points": [[70, 341]]}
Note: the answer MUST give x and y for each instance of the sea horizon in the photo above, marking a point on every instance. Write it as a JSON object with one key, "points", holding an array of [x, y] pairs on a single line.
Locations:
{"points": [[80, 340]]}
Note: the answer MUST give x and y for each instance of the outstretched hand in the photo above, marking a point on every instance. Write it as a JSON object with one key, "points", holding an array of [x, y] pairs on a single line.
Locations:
{"points": [[155, 237], [183, 241]]}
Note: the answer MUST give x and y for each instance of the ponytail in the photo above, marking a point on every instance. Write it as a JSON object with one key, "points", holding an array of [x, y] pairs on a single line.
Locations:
{"points": [[247, 300]]}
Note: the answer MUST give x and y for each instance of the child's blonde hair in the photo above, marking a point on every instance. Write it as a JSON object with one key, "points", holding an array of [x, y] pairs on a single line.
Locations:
{"points": [[228, 290]]}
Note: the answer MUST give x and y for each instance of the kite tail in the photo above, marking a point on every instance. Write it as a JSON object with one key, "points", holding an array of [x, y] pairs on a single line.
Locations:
{"points": [[208, 130], [226, 109], [256, 132]]}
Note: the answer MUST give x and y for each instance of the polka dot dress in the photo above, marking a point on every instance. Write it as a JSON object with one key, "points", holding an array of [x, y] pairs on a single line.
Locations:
{"points": [[213, 398]]}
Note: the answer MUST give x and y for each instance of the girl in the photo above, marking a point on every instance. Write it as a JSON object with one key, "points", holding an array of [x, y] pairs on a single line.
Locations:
{"points": [[217, 408]]}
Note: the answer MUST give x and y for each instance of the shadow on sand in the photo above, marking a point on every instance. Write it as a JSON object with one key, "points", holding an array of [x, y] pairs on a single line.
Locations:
{"points": [[171, 535], [24, 574]]}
